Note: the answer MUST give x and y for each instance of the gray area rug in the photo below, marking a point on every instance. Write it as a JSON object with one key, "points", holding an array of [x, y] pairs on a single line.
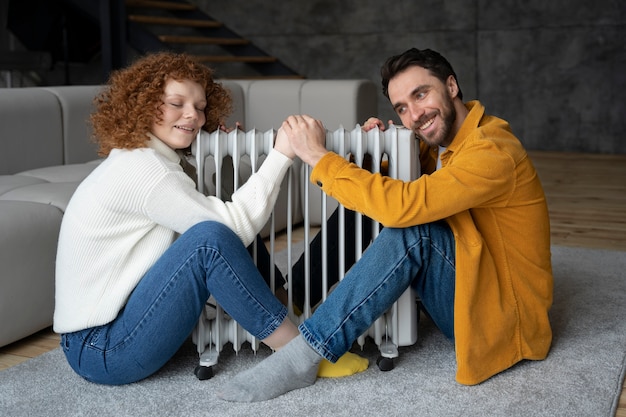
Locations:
{"points": [[582, 376]]}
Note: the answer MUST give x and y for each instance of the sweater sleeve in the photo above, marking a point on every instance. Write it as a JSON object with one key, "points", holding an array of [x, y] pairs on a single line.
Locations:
{"points": [[174, 202]]}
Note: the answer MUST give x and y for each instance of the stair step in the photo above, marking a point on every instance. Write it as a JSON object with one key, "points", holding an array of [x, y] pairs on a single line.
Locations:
{"points": [[159, 20], [156, 14], [265, 77], [165, 5], [202, 40], [233, 58]]}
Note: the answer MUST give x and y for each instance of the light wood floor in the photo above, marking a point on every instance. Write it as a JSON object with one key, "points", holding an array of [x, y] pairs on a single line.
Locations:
{"points": [[587, 200]]}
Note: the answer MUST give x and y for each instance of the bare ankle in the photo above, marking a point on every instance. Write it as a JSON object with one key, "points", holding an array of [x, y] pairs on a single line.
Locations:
{"points": [[284, 334]]}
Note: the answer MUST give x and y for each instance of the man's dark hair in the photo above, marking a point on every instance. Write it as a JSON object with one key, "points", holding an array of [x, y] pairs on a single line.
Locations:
{"points": [[428, 59]]}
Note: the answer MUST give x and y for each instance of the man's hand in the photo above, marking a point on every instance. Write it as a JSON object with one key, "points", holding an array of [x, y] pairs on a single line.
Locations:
{"points": [[307, 137], [373, 122]]}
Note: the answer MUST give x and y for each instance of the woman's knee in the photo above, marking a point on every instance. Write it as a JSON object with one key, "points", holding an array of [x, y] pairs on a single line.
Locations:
{"points": [[213, 232], [210, 227]]}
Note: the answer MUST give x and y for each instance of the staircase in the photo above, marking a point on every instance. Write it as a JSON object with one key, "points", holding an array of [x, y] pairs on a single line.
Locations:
{"points": [[173, 25], [181, 26]]}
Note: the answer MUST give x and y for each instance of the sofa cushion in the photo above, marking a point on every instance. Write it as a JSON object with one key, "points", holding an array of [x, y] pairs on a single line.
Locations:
{"points": [[270, 102], [239, 104], [76, 103], [10, 182], [62, 173], [57, 194], [51, 185], [28, 238], [339, 103], [31, 129]]}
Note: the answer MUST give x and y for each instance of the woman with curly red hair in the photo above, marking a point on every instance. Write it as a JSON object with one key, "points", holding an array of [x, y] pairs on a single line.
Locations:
{"points": [[140, 249]]}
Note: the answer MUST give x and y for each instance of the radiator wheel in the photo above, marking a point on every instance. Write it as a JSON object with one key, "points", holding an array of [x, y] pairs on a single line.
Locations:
{"points": [[385, 364], [203, 372]]}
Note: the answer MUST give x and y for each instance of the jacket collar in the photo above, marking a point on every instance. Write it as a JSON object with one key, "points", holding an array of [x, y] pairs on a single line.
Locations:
{"points": [[471, 122]]}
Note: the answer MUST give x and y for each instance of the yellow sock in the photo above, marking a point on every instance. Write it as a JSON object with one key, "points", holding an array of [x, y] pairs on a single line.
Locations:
{"points": [[348, 364], [296, 310]]}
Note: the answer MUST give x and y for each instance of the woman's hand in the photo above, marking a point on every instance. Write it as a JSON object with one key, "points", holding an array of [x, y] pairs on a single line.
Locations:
{"points": [[307, 137], [282, 144], [223, 127]]}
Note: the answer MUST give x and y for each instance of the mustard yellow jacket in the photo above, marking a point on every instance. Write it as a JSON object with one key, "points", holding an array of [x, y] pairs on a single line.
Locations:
{"points": [[489, 193]]}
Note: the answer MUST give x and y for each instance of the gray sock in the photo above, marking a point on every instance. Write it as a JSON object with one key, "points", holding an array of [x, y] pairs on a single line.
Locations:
{"points": [[292, 367]]}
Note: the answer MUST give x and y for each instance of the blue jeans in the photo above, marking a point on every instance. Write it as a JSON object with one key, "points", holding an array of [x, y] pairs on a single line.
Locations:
{"points": [[421, 256], [209, 259]]}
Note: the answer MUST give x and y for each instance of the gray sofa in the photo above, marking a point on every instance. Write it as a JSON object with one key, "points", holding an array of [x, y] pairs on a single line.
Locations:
{"points": [[46, 151]]}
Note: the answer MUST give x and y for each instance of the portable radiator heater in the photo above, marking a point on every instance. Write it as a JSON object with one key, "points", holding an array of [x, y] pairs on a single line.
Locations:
{"points": [[220, 159]]}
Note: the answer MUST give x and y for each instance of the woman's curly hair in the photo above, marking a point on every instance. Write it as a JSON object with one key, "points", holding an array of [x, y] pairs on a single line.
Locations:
{"points": [[127, 108]]}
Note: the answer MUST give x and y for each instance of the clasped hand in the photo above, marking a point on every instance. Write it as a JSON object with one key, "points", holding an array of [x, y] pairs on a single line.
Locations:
{"points": [[305, 137], [302, 136]]}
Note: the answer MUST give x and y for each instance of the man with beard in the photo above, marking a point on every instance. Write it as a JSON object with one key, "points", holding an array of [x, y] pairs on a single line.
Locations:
{"points": [[471, 235]]}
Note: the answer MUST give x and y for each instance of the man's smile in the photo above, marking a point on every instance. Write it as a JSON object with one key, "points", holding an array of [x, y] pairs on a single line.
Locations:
{"points": [[427, 124]]}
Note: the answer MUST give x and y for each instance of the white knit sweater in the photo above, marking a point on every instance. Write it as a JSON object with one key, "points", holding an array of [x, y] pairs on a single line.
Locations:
{"points": [[127, 212]]}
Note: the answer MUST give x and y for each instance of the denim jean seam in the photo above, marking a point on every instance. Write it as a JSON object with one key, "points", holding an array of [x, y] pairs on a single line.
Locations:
{"points": [[443, 254], [89, 340], [450, 262], [318, 347], [149, 312]]}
